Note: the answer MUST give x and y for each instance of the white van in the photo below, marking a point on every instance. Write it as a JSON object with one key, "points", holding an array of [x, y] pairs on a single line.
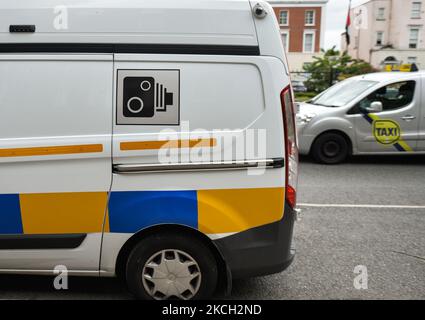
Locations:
{"points": [[152, 140]]}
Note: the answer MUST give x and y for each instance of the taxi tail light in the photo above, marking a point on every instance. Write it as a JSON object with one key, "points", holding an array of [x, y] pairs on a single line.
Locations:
{"points": [[291, 148]]}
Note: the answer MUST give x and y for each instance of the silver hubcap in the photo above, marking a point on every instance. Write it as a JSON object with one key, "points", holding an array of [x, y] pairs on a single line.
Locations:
{"points": [[171, 274]]}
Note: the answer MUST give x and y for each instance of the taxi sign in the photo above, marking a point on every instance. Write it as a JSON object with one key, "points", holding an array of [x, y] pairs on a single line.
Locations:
{"points": [[401, 68], [386, 131]]}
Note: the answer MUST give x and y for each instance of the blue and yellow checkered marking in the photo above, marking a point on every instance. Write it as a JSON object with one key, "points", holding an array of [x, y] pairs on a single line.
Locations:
{"points": [[209, 211], [132, 211], [10, 214]]}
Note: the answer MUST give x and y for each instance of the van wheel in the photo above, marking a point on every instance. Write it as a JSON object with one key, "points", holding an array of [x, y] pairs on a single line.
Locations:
{"points": [[163, 267], [330, 148]]}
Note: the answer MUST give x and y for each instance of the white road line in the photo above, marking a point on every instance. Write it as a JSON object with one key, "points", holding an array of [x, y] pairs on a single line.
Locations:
{"points": [[371, 206]]}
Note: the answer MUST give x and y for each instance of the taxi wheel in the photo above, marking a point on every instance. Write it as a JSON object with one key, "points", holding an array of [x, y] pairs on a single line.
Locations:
{"points": [[171, 267], [330, 148]]}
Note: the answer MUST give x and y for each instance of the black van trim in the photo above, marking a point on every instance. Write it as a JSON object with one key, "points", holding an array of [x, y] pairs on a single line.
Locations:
{"points": [[262, 250], [41, 242], [129, 48]]}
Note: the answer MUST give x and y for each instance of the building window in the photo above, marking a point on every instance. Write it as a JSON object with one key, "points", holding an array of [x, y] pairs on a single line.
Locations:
{"points": [[285, 40], [309, 17], [308, 46], [284, 18], [416, 10], [356, 42], [414, 38], [379, 38], [391, 60], [412, 60], [381, 14]]}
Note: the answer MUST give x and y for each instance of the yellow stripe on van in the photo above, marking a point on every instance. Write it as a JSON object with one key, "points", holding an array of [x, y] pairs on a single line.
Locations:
{"points": [[168, 144], [237, 210], [46, 151], [63, 213]]}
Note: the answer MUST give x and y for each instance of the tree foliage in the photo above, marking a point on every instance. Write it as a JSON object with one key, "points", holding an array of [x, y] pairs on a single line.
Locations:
{"points": [[333, 66]]}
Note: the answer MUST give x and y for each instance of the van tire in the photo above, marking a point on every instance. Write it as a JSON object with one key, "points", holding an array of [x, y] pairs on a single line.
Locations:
{"points": [[330, 148], [188, 247]]}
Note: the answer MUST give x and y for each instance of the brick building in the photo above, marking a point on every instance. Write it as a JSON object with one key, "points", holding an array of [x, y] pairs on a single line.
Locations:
{"points": [[302, 24]]}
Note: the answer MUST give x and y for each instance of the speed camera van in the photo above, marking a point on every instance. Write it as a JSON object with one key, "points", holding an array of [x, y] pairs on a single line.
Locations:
{"points": [[150, 140]]}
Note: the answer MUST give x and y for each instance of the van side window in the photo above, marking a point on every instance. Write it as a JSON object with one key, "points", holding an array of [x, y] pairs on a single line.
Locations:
{"points": [[393, 96]]}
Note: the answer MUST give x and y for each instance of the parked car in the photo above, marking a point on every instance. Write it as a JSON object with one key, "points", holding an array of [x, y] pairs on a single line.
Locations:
{"points": [[299, 87]]}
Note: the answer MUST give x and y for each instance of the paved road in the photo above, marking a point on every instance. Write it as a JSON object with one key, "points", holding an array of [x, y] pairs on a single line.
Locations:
{"points": [[331, 241]]}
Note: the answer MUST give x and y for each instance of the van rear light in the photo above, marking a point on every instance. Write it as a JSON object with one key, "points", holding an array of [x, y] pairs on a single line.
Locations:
{"points": [[291, 148], [291, 196]]}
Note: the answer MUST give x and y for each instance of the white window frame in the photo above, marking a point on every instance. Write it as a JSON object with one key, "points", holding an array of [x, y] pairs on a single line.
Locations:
{"points": [[417, 39], [380, 16], [314, 18], [379, 33], [313, 33], [286, 45], [416, 14], [287, 17]]}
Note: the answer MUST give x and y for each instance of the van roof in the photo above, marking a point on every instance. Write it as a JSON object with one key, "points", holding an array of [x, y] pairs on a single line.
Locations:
{"points": [[200, 22]]}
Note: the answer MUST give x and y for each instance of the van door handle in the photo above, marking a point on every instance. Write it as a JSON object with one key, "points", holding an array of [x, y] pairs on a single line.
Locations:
{"points": [[181, 167], [408, 118]]}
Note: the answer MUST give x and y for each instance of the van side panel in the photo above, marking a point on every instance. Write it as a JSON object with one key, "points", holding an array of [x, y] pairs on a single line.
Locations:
{"points": [[55, 159], [240, 96]]}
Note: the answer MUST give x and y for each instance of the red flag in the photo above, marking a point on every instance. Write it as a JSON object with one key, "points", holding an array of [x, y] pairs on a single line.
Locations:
{"points": [[348, 24]]}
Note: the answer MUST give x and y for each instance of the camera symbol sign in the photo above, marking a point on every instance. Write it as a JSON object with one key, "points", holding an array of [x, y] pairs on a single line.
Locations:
{"points": [[148, 97]]}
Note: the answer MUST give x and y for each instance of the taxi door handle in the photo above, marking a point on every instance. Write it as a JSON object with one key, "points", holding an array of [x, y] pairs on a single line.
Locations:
{"points": [[408, 118]]}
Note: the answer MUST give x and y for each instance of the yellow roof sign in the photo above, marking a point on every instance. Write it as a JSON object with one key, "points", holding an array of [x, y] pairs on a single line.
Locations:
{"points": [[401, 68]]}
